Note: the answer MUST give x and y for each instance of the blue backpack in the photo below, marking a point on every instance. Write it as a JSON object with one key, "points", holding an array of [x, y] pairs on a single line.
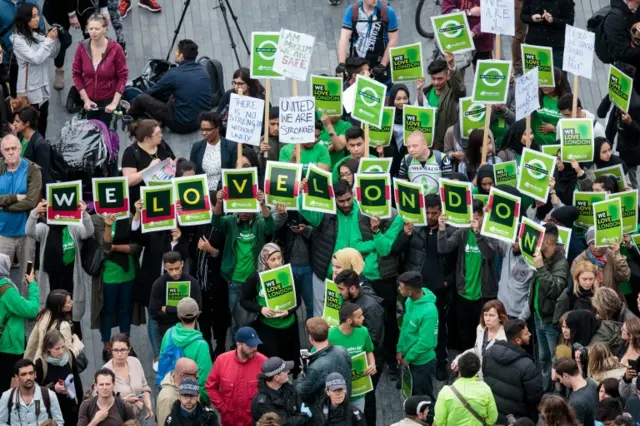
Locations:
{"points": [[168, 359]]}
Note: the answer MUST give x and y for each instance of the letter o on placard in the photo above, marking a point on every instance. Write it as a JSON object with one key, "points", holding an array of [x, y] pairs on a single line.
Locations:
{"points": [[377, 190], [188, 192], [504, 207]]}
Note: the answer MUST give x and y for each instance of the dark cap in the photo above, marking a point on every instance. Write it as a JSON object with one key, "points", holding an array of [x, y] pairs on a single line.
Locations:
{"points": [[275, 365], [189, 386], [335, 381], [416, 404], [248, 336], [411, 279], [346, 310]]}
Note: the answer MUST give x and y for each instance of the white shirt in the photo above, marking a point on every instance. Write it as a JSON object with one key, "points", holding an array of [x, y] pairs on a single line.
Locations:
{"points": [[212, 164], [23, 414]]}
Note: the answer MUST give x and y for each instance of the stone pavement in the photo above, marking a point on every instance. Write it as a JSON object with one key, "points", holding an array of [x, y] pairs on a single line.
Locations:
{"points": [[149, 36]]}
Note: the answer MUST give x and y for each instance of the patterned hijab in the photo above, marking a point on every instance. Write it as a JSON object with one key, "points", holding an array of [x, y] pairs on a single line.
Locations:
{"points": [[267, 251]]}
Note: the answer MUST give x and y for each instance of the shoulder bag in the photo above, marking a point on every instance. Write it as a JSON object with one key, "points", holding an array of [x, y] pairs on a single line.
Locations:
{"points": [[466, 405]]}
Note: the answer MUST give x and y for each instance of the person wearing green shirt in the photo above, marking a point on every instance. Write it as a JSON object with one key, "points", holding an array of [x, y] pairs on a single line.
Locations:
{"points": [[332, 136], [545, 119], [310, 153], [355, 147]]}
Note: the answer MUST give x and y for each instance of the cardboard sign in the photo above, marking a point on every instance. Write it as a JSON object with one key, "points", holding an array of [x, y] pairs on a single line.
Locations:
{"points": [[419, 118], [542, 58], [63, 203], [281, 184], [241, 186], [373, 192], [369, 101], [620, 88], [456, 202], [193, 194], [616, 171], [176, 291], [530, 240], [535, 170], [576, 139], [491, 82], [498, 17], [327, 91], [501, 222], [278, 288], [506, 173], [318, 196], [551, 149], [246, 116], [410, 202], [607, 218], [527, 98], [332, 304], [297, 119], [264, 46], [578, 51], [293, 54], [158, 208], [406, 63], [382, 135], [111, 196], [629, 205], [583, 201], [374, 165], [360, 383], [452, 32], [472, 116]]}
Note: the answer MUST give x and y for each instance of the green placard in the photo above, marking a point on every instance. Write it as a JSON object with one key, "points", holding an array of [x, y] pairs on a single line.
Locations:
{"points": [[406, 62], [264, 46], [506, 173], [616, 171], [158, 208], [472, 115], [481, 197], [111, 196], [629, 205], [551, 149], [360, 383], [576, 139], [241, 186], [501, 222], [375, 165], [369, 103], [456, 202], [63, 203], [530, 240], [583, 201], [281, 184], [382, 135], [419, 118], [193, 194], [410, 202], [452, 32], [636, 241], [373, 192], [620, 88], [328, 94], [319, 196], [278, 288], [176, 291], [491, 82], [332, 304], [607, 217], [542, 58], [407, 383], [535, 170]]}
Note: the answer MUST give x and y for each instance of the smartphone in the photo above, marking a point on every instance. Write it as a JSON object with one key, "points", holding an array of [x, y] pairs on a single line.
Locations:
{"points": [[29, 268], [304, 353], [140, 396], [633, 364]]}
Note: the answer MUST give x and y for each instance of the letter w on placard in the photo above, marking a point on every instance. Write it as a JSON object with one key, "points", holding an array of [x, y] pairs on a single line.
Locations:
{"points": [[65, 199]]}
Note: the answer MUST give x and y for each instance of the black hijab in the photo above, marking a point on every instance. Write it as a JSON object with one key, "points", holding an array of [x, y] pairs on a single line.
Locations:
{"points": [[613, 161], [583, 325], [397, 118], [483, 172], [513, 138], [566, 181]]}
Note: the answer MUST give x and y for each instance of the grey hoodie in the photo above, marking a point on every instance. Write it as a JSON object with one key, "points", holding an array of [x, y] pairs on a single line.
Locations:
{"points": [[515, 281]]}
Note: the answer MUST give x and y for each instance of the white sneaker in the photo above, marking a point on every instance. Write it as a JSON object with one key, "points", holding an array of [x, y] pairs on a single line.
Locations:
{"points": [[155, 366]]}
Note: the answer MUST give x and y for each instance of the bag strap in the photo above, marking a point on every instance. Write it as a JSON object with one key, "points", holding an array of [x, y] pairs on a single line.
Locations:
{"points": [[46, 398], [26, 80], [466, 405]]}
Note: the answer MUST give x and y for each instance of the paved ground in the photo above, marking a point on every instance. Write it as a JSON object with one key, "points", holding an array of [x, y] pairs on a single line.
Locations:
{"points": [[149, 36]]}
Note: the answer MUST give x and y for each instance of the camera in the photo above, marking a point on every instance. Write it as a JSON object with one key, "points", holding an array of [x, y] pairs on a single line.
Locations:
{"points": [[583, 356], [61, 31]]}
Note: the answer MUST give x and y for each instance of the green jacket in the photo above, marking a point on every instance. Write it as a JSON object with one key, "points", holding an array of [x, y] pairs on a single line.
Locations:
{"points": [[451, 412], [419, 332], [15, 309], [380, 246], [196, 349], [260, 226]]}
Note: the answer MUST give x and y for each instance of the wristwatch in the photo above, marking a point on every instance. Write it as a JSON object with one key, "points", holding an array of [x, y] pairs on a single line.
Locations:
{"points": [[332, 134]]}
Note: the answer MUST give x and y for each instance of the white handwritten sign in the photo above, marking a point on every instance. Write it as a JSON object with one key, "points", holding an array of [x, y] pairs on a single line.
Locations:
{"points": [[293, 56], [578, 51], [246, 115], [527, 101], [297, 119], [497, 17]]}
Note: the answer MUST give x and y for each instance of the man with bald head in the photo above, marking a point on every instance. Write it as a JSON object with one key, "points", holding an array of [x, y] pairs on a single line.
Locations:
{"points": [[20, 186], [169, 394], [423, 165]]}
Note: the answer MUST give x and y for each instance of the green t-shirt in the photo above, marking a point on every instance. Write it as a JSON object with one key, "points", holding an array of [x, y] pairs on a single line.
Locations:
{"points": [[499, 128], [319, 154], [357, 342], [113, 273], [273, 322], [472, 267], [68, 247], [340, 128], [433, 99], [244, 254], [24, 145], [549, 113]]}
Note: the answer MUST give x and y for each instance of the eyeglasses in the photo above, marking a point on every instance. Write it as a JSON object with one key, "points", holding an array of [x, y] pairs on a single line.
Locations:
{"points": [[206, 129], [120, 351], [238, 83]]}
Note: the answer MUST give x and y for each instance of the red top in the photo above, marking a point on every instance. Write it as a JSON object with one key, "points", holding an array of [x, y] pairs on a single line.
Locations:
{"points": [[110, 76]]}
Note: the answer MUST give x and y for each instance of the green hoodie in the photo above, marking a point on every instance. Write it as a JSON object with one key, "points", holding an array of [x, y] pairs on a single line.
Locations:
{"points": [[419, 332], [14, 309], [196, 349]]}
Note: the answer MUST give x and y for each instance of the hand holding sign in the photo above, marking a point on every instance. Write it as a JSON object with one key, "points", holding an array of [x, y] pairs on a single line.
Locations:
{"points": [[41, 208]]}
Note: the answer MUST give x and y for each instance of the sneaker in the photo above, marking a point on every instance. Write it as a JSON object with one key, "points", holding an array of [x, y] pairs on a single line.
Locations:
{"points": [[151, 5], [125, 7], [58, 81], [334, 2], [155, 366]]}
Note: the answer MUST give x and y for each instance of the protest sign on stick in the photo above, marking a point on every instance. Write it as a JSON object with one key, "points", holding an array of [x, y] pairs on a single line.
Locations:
{"points": [[497, 17], [293, 54], [578, 58], [264, 46], [244, 123], [452, 32], [297, 119]]}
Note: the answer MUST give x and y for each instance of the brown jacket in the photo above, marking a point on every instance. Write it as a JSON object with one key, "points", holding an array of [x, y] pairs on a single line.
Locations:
{"points": [[616, 270], [10, 203], [114, 418]]}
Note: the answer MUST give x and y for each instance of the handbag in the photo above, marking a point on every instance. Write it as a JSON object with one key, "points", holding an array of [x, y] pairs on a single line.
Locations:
{"points": [[243, 317], [464, 402], [82, 362], [21, 101]]}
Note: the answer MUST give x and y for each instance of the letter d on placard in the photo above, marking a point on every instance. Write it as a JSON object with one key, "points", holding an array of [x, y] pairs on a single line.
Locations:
{"points": [[454, 199]]}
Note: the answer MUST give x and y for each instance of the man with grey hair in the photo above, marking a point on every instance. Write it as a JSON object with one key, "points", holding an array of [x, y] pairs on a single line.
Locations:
{"points": [[169, 394], [20, 186]]}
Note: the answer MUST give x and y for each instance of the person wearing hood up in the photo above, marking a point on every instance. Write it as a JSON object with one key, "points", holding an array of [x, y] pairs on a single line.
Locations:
{"points": [[515, 140], [398, 98], [484, 179], [566, 216]]}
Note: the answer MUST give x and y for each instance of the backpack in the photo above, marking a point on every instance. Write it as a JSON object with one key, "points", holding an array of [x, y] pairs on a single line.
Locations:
{"points": [[93, 408], [381, 14], [92, 256], [46, 398], [59, 167], [595, 24], [168, 359]]}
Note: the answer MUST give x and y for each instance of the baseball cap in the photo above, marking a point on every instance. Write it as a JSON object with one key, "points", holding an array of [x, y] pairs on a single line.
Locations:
{"points": [[248, 336], [335, 381], [189, 386], [188, 308], [591, 235], [275, 365], [416, 404]]}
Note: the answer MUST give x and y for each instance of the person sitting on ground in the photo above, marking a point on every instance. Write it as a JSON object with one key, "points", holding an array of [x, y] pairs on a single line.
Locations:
{"points": [[180, 95], [184, 368], [416, 409], [188, 410], [106, 408]]}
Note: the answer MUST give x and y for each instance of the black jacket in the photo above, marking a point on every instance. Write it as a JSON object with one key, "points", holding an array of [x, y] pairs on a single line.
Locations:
{"points": [[514, 379], [323, 242], [373, 312], [38, 151], [628, 134], [204, 417], [228, 154], [617, 31], [343, 415], [158, 299], [544, 33], [285, 403]]}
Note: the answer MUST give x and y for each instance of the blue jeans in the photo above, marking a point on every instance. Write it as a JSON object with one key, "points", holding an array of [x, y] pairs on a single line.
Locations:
{"points": [[234, 292], [547, 336], [423, 377], [154, 335], [116, 297], [304, 285]]}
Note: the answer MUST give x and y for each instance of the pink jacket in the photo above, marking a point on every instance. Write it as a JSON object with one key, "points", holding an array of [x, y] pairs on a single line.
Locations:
{"points": [[483, 41], [110, 76], [231, 386]]}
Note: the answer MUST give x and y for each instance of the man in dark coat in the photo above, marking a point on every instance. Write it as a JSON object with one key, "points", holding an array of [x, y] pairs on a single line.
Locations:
{"points": [[188, 410]]}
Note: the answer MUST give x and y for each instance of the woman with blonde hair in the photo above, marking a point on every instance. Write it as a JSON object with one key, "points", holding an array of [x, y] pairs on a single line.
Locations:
{"points": [[603, 364], [347, 258], [585, 283]]}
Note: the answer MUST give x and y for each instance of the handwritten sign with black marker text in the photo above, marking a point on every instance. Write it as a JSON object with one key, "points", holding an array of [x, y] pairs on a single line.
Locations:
{"points": [[246, 115]]}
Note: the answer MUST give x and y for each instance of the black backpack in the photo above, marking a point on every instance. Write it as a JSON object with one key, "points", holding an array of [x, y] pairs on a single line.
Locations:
{"points": [[92, 256], [45, 398], [595, 24]]}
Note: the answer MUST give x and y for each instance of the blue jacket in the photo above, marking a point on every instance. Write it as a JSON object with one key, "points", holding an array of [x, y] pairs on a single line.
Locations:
{"points": [[7, 14], [190, 86]]}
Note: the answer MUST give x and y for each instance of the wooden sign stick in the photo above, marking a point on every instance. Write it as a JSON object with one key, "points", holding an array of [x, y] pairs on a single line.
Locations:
{"points": [[267, 95], [528, 130], [295, 93], [576, 89], [239, 146]]}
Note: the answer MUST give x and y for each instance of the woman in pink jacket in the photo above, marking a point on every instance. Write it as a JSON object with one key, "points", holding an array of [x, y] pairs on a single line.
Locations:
{"points": [[99, 71]]}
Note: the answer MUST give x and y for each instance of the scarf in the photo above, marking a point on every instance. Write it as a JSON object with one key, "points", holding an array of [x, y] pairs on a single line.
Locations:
{"points": [[59, 362], [350, 258], [267, 251], [397, 118], [52, 262], [583, 325], [600, 262]]}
